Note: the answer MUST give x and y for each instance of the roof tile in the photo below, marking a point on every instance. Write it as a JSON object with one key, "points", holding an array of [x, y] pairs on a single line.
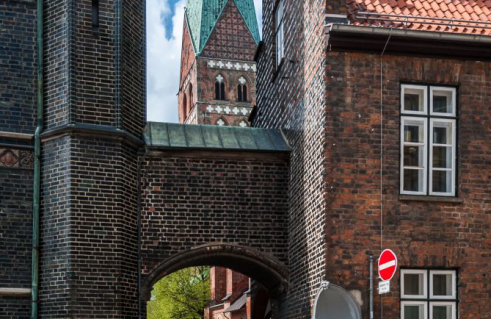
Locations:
{"points": [[477, 11]]}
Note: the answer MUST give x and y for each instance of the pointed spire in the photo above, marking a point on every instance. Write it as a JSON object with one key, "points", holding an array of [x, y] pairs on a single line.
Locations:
{"points": [[202, 16]]}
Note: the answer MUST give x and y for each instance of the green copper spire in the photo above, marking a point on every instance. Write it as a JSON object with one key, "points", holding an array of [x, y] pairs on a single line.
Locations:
{"points": [[202, 16]]}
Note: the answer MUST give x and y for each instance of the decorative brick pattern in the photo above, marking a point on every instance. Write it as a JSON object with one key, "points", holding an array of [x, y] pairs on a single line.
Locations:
{"points": [[293, 99], [15, 158], [17, 66]]}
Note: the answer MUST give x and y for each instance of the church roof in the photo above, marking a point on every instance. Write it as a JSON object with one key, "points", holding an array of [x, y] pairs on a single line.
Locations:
{"points": [[202, 16], [212, 137]]}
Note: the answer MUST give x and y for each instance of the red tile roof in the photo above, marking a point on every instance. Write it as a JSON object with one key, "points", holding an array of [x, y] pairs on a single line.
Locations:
{"points": [[425, 15]]}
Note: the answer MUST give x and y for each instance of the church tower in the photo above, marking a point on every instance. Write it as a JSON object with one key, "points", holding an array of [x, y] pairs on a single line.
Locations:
{"points": [[218, 73]]}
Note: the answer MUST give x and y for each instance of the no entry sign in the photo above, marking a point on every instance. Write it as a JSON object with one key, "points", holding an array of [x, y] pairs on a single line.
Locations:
{"points": [[387, 265]]}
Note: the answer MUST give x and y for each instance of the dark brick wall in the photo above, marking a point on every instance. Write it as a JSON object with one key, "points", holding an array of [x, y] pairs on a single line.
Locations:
{"points": [[293, 98], [57, 37], [17, 66], [15, 308], [89, 263], [423, 234], [95, 75], [191, 200], [54, 294]]}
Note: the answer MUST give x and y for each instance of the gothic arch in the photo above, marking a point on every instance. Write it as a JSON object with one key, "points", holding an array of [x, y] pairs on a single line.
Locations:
{"points": [[262, 267]]}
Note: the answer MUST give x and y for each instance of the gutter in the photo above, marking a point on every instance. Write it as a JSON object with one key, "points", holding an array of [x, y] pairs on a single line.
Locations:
{"points": [[37, 162], [431, 35]]}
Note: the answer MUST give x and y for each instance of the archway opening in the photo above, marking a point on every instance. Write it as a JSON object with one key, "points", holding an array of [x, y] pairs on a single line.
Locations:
{"points": [[255, 280]]}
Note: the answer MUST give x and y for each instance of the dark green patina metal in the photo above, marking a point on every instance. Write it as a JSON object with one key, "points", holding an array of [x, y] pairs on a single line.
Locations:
{"points": [[203, 15], [208, 137], [37, 162]]}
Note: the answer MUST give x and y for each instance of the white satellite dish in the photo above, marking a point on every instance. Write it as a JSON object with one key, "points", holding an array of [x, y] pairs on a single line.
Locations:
{"points": [[334, 302]]}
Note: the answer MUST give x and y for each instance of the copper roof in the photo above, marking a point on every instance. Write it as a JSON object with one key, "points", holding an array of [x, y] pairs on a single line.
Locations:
{"points": [[454, 16]]}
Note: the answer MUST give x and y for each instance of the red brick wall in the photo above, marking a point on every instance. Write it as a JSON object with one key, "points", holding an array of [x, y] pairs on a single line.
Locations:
{"points": [[423, 234], [188, 74]]}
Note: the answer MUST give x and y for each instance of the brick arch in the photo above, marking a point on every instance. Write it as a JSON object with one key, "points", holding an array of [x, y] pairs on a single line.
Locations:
{"points": [[264, 268]]}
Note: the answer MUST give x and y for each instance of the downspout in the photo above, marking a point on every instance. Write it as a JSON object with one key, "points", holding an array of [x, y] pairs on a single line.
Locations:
{"points": [[37, 162]]}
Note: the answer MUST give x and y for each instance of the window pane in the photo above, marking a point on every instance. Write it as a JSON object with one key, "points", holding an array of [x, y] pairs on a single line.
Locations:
{"points": [[442, 312], [414, 133], [413, 180], [442, 157], [413, 100], [443, 101], [442, 181], [413, 312], [413, 156], [442, 285], [413, 284], [442, 133]]}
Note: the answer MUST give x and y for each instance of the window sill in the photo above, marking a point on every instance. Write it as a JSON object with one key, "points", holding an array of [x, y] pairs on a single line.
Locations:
{"points": [[437, 199], [278, 70]]}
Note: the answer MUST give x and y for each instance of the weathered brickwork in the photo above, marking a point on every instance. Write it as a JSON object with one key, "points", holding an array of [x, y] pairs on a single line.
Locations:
{"points": [[89, 212], [17, 66], [190, 201], [15, 308], [423, 234], [15, 230], [293, 99]]}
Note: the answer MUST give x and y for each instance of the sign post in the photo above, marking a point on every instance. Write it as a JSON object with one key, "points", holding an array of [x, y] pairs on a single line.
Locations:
{"points": [[387, 266]]}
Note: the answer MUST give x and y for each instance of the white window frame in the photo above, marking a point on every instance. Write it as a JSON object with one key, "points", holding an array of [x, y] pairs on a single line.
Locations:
{"points": [[444, 303], [431, 117], [415, 303], [425, 283], [454, 100], [428, 300], [453, 146], [425, 99], [425, 154], [280, 32], [454, 284]]}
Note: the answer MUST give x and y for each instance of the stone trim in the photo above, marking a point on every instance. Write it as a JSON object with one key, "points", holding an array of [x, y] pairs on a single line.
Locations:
{"points": [[15, 292], [16, 136]]}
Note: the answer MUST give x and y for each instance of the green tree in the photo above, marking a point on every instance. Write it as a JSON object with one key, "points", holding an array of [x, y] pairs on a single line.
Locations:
{"points": [[181, 295]]}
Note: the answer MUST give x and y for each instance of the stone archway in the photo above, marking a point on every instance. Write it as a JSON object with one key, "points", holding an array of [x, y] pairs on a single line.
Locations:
{"points": [[264, 268]]}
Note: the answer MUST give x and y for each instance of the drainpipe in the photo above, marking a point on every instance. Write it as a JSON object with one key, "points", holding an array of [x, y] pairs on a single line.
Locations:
{"points": [[370, 258], [37, 162]]}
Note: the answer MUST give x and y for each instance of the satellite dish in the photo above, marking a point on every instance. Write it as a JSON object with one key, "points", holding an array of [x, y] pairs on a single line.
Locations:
{"points": [[334, 302]]}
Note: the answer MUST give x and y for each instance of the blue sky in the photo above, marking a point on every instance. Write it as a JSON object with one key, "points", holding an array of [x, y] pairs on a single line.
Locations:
{"points": [[165, 20]]}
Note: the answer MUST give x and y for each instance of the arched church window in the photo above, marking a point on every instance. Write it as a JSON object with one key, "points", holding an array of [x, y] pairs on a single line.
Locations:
{"points": [[190, 99], [242, 90], [220, 88], [185, 110]]}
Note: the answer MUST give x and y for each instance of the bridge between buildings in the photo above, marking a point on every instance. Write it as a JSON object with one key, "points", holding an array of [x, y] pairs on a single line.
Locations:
{"points": [[214, 196]]}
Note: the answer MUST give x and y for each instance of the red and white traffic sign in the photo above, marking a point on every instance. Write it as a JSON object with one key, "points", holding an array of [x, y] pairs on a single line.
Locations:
{"points": [[387, 265]]}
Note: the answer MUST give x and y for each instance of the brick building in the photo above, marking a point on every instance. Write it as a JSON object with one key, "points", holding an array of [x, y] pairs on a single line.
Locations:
{"points": [[386, 107], [371, 131], [218, 73]]}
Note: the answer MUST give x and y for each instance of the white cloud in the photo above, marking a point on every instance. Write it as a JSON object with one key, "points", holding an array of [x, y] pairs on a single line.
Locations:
{"points": [[164, 58]]}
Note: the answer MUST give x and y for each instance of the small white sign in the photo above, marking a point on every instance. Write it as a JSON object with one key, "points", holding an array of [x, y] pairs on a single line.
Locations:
{"points": [[383, 287]]}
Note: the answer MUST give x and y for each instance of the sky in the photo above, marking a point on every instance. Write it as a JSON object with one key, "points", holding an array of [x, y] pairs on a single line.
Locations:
{"points": [[165, 20]]}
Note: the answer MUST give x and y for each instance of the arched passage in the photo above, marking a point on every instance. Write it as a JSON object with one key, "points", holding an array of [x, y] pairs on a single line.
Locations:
{"points": [[270, 272]]}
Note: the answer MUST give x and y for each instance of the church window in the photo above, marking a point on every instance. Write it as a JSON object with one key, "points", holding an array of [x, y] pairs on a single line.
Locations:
{"points": [[242, 90], [279, 30], [190, 99], [428, 140], [220, 88]]}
